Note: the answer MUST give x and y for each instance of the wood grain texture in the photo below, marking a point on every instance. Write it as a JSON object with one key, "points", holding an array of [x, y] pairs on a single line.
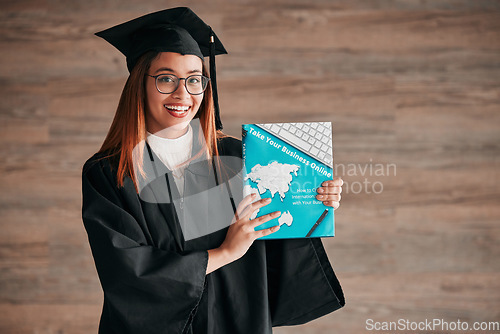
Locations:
{"points": [[409, 84]]}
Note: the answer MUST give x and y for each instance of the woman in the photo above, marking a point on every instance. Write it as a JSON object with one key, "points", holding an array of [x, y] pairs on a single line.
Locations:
{"points": [[163, 150]]}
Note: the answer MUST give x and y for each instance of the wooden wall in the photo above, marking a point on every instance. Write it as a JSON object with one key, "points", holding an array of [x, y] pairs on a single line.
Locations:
{"points": [[409, 85]]}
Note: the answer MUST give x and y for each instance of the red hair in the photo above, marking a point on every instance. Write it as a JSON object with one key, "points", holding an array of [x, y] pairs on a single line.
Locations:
{"points": [[128, 128]]}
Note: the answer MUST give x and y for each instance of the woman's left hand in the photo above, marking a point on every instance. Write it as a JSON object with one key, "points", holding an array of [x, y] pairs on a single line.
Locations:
{"points": [[329, 192]]}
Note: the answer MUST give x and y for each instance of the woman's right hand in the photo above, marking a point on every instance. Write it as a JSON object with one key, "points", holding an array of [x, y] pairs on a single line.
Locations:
{"points": [[241, 234]]}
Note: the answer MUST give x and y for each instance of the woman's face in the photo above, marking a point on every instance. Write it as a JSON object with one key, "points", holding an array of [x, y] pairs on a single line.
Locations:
{"points": [[171, 113]]}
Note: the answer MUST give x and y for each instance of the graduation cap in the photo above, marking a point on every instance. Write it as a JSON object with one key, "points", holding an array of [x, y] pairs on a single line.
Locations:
{"points": [[177, 30]]}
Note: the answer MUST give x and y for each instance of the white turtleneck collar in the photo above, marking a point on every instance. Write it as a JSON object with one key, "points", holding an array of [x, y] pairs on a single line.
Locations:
{"points": [[173, 152]]}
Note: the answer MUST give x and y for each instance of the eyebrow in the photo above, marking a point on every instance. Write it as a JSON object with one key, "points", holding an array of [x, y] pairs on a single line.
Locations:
{"points": [[167, 69]]}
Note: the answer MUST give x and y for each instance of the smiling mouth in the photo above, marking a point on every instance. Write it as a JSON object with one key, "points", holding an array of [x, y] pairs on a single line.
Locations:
{"points": [[177, 111]]}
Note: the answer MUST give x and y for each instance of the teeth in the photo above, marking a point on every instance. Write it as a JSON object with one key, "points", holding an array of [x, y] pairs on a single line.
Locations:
{"points": [[177, 108]]}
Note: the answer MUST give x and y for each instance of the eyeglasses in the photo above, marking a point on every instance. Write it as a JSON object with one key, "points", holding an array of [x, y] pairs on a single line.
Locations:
{"points": [[168, 83]]}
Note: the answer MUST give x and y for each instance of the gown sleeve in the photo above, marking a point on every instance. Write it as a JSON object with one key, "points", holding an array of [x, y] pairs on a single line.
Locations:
{"points": [[146, 289], [302, 283]]}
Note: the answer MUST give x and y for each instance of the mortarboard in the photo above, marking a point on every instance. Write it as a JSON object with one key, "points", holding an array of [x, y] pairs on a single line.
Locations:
{"points": [[177, 30]]}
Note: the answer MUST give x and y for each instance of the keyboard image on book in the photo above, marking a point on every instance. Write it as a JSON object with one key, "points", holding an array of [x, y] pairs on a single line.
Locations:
{"points": [[314, 139]]}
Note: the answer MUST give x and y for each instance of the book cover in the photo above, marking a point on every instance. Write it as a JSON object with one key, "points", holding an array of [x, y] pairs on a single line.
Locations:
{"points": [[287, 162]]}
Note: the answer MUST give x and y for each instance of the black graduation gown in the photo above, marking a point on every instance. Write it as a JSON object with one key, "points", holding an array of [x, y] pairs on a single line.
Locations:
{"points": [[154, 281]]}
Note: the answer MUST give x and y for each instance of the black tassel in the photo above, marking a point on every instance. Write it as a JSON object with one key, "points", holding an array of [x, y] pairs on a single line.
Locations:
{"points": [[213, 80]]}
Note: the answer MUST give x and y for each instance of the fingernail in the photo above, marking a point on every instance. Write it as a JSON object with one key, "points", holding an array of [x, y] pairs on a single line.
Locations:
{"points": [[267, 200], [320, 190], [276, 213], [253, 195], [277, 227]]}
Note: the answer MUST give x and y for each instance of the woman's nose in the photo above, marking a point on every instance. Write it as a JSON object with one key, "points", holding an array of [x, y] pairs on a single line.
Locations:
{"points": [[181, 90]]}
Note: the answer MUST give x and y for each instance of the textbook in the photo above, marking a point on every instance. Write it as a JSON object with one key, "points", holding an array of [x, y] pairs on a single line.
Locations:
{"points": [[287, 162]]}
